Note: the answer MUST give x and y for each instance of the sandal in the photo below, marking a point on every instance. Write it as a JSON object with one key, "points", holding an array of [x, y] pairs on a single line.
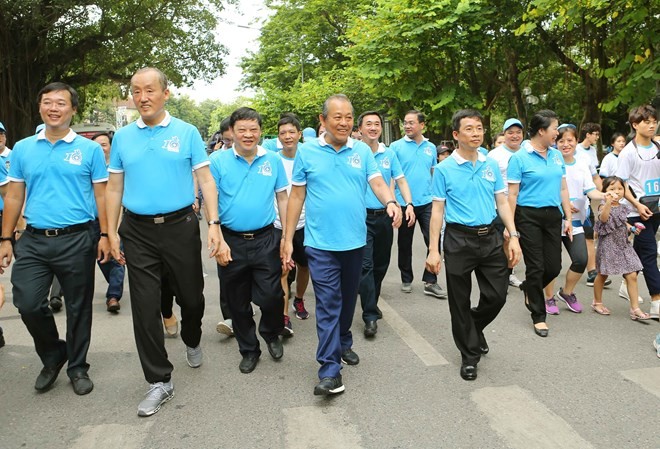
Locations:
{"points": [[638, 315], [600, 309]]}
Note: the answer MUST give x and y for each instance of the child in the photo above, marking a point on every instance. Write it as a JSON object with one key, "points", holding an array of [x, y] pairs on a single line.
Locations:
{"points": [[615, 255]]}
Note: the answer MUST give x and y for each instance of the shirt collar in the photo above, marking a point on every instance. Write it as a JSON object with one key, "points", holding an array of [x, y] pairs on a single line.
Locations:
{"points": [[408, 139], [381, 147], [460, 160], [68, 138], [166, 121], [260, 151], [349, 143], [6, 152]]}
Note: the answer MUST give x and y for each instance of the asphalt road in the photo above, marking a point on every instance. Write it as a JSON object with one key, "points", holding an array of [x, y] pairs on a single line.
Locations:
{"points": [[593, 383]]}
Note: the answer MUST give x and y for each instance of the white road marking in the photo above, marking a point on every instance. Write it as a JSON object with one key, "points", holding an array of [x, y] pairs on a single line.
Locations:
{"points": [[523, 422], [647, 378], [422, 348], [322, 428]]}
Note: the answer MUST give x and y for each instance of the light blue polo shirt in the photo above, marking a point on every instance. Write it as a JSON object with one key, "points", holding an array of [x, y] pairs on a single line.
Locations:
{"points": [[246, 191], [539, 177], [59, 179], [389, 167], [272, 144], [416, 163], [468, 190], [158, 164], [4, 170], [336, 183]]}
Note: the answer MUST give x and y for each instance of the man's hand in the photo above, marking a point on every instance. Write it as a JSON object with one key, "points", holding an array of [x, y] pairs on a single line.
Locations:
{"points": [[410, 216], [568, 229], [434, 262], [116, 252], [644, 212], [221, 252], [6, 253], [515, 252], [394, 211], [214, 241], [287, 263], [104, 252]]}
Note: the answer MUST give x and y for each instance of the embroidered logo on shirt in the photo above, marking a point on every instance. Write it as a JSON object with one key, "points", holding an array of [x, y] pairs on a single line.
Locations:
{"points": [[488, 174], [355, 161], [557, 160], [7, 163], [74, 158], [385, 163], [172, 145], [427, 151], [265, 169]]}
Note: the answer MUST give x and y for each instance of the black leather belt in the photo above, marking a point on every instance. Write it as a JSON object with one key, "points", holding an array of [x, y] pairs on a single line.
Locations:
{"points": [[376, 211], [160, 218], [247, 235], [473, 230], [60, 231]]}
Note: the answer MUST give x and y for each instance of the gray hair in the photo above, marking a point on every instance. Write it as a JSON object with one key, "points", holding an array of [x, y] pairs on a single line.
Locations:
{"points": [[340, 97], [162, 79]]}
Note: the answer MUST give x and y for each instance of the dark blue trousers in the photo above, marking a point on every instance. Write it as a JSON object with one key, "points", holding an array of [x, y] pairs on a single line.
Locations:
{"points": [[646, 248], [375, 262], [335, 277]]}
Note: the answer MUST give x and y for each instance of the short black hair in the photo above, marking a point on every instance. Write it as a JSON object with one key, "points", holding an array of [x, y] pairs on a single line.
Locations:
{"points": [[615, 136], [57, 86], [541, 120], [611, 180], [224, 125], [103, 133], [464, 113], [365, 113], [421, 118], [244, 113], [641, 113], [288, 118]]}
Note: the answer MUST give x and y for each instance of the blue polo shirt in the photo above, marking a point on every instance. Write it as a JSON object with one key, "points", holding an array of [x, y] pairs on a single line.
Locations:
{"points": [[158, 164], [539, 177], [272, 144], [389, 167], [336, 184], [416, 163], [59, 179], [467, 189], [4, 170], [246, 191]]}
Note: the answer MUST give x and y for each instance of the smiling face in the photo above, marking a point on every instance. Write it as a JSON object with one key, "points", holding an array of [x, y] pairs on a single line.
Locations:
{"points": [[56, 109], [339, 122], [246, 135], [289, 136], [566, 144], [470, 134], [371, 128], [104, 141], [547, 136], [149, 96], [513, 137], [412, 127]]}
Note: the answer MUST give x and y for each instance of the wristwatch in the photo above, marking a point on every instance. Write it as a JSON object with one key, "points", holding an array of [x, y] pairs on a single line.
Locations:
{"points": [[515, 234], [212, 222], [410, 204]]}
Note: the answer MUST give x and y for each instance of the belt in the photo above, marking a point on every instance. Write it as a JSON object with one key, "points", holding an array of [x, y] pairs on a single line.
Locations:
{"points": [[376, 211], [160, 218], [60, 231], [247, 235], [473, 230]]}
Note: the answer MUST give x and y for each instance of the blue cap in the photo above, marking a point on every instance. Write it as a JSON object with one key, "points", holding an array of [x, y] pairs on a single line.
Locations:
{"points": [[308, 134], [512, 122], [39, 128], [2, 128]]}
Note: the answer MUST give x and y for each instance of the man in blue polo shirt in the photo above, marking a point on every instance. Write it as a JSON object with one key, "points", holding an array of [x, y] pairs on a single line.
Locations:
{"points": [[151, 174], [248, 178], [417, 157], [377, 251], [330, 176], [63, 177], [466, 187]]}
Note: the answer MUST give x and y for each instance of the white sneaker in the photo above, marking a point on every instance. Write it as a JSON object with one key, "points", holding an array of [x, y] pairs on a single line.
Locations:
{"points": [[514, 281], [655, 310], [225, 327], [623, 292], [158, 394]]}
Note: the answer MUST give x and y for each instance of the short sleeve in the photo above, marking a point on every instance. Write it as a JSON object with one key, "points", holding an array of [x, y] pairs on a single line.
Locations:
{"points": [[116, 165], [588, 184], [215, 169], [371, 166], [624, 168], [16, 166], [514, 170], [439, 185], [199, 158], [299, 174], [3, 174], [99, 170], [397, 171], [499, 182], [282, 182]]}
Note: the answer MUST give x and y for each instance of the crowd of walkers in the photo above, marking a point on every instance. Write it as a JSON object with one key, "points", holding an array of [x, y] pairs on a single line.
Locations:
{"points": [[283, 212]]}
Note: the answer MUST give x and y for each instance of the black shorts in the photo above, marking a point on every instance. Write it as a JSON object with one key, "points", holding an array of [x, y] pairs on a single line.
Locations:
{"points": [[589, 226], [298, 246]]}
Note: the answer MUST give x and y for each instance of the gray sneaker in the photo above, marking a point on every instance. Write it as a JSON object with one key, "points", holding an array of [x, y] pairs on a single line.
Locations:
{"points": [[194, 356], [434, 290], [406, 287], [158, 394]]}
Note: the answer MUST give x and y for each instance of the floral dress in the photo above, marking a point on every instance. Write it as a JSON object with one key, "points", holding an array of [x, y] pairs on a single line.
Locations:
{"points": [[615, 254]]}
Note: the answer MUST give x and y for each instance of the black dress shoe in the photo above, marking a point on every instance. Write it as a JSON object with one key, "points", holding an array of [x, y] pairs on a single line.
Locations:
{"points": [[379, 312], [349, 357], [541, 332], [249, 363], [483, 345], [48, 375], [275, 349], [55, 303], [82, 384], [469, 372], [370, 329]]}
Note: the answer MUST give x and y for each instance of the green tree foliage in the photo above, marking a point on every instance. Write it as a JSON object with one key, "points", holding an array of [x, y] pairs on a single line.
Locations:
{"points": [[88, 43]]}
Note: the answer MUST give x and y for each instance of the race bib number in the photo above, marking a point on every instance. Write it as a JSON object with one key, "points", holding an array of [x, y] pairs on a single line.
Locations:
{"points": [[652, 187]]}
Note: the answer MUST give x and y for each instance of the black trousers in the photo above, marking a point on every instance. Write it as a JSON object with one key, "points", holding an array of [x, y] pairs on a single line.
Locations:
{"points": [[540, 240], [375, 262], [151, 250], [71, 258], [405, 240], [483, 255], [254, 276]]}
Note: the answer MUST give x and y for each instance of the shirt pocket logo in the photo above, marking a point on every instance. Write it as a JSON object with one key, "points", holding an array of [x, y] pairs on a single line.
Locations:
{"points": [[488, 174], [172, 145], [265, 169], [355, 161], [74, 158]]}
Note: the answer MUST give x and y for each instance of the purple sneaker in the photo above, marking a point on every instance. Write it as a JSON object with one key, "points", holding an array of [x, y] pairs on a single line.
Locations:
{"points": [[551, 306], [570, 300]]}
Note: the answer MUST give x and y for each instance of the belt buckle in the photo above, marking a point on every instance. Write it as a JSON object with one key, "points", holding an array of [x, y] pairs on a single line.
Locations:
{"points": [[248, 236], [159, 220], [52, 232], [482, 231]]}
